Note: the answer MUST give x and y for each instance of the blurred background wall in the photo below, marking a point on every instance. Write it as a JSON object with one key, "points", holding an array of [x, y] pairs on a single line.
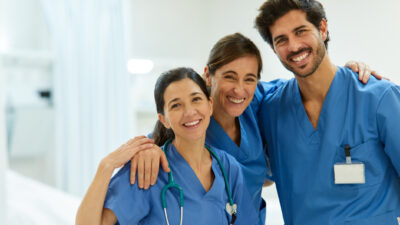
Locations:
{"points": [[70, 94]]}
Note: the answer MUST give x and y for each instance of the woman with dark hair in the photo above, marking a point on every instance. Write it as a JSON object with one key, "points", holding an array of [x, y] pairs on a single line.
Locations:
{"points": [[232, 75], [205, 185]]}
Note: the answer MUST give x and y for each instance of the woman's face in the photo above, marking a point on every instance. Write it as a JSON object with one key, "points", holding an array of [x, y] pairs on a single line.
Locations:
{"points": [[187, 110], [233, 86]]}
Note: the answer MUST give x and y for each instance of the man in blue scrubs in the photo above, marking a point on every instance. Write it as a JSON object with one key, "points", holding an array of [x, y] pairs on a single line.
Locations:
{"points": [[333, 142]]}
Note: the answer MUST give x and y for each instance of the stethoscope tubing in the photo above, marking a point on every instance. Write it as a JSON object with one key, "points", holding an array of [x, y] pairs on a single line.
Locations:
{"points": [[172, 184]]}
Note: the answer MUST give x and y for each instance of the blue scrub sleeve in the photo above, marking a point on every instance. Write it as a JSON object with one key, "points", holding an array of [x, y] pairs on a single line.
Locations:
{"points": [[264, 89], [246, 213], [268, 175], [129, 203], [388, 120]]}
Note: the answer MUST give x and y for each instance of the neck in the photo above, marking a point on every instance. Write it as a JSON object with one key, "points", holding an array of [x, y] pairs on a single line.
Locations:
{"points": [[316, 86], [193, 151], [230, 124]]}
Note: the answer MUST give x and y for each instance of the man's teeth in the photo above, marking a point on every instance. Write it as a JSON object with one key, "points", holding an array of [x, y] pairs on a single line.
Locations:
{"points": [[236, 100], [191, 123], [298, 59]]}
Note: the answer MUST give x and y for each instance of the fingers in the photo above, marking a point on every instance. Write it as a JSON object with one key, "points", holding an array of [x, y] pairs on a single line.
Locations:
{"points": [[139, 140], [164, 163], [378, 75], [155, 166], [146, 164], [364, 73], [140, 172], [352, 65], [147, 172], [360, 69], [134, 167]]}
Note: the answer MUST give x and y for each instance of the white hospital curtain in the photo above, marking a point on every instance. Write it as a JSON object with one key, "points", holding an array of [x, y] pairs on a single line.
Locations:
{"points": [[3, 152], [91, 86]]}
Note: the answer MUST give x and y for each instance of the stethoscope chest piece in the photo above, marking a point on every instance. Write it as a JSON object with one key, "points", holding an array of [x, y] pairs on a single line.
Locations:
{"points": [[231, 209]]}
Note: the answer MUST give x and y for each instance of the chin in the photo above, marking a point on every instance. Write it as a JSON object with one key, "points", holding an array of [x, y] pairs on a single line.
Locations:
{"points": [[235, 113]]}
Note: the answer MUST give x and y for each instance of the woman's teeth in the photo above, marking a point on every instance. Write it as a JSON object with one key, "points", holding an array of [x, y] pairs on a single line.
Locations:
{"points": [[236, 100], [191, 123]]}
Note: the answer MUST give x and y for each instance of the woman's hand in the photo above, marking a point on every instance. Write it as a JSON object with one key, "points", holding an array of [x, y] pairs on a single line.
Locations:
{"points": [[364, 71], [147, 165], [125, 152]]}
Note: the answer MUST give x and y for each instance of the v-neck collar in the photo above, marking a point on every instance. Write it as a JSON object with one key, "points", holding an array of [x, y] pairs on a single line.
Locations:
{"points": [[190, 176], [225, 141], [300, 112]]}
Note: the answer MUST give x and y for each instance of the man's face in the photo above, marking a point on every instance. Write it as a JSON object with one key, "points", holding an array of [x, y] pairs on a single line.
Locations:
{"points": [[298, 43]]}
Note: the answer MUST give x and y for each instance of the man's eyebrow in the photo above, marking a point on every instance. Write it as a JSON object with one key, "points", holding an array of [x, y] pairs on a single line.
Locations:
{"points": [[294, 30], [299, 27], [279, 37]]}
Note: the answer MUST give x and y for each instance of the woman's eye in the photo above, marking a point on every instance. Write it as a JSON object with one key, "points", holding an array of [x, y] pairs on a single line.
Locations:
{"points": [[174, 106], [196, 99], [229, 77], [250, 80]]}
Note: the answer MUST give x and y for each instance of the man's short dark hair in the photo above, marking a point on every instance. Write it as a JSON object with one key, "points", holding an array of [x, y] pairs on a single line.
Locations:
{"points": [[272, 10]]}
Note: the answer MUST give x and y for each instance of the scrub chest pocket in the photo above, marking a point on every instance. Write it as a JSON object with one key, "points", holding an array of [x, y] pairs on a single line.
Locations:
{"points": [[372, 155]]}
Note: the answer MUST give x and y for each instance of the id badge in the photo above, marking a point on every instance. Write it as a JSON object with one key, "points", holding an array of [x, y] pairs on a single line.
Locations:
{"points": [[349, 173]]}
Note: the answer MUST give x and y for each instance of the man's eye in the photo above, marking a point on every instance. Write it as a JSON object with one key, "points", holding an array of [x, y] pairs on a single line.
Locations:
{"points": [[300, 32], [280, 41]]}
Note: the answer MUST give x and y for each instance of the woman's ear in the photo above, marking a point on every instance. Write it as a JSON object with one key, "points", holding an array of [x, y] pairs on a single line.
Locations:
{"points": [[162, 119], [211, 105], [207, 76]]}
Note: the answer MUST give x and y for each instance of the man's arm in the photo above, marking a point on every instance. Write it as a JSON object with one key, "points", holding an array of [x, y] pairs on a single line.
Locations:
{"points": [[388, 120]]}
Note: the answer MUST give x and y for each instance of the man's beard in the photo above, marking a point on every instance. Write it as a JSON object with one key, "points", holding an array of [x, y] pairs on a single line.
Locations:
{"points": [[320, 53]]}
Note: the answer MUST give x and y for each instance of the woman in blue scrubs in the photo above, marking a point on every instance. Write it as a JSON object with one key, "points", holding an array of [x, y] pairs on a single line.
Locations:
{"points": [[232, 74], [184, 108]]}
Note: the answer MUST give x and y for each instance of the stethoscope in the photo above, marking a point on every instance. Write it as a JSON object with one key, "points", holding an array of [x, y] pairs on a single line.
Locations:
{"points": [[231, 207]]}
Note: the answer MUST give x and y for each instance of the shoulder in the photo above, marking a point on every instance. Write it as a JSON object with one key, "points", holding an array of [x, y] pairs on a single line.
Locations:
{"points": [[227, 160], [122, 173], [265, 89], [280, 95], [375, 89]]}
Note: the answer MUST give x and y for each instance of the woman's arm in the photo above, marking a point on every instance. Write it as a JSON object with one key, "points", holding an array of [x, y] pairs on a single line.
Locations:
{"points": [[91, 210]]}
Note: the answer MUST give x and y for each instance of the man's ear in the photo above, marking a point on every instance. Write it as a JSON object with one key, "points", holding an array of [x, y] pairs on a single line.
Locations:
{"points": [[273, 48], [207, 76], [162, 119], [323, 29]]}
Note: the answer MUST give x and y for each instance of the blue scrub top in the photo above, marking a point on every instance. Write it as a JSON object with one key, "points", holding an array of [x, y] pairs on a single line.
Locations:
{"points": [[132, 205], [366, 117], [249, 154]]}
